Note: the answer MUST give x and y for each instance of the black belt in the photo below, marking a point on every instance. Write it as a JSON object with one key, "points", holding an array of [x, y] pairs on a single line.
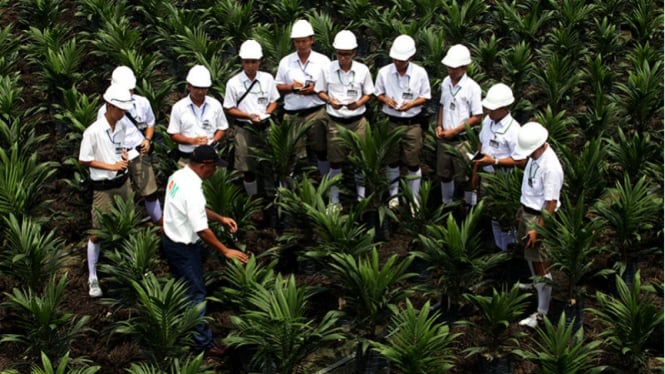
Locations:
{"points": [[345, 120], [405, 121], [531, 211], [186, 155], [303, 112], [109, 184]]}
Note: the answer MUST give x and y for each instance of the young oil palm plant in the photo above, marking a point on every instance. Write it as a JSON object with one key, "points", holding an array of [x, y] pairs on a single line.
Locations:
{"points": [[114, 36], [325, 30], [643, 20], [20, 132], [630, 319], [560, 349], [163, 319], [233, 19], [283, 11], [65, 366], [461, 23], [276, 43], [29, 255], [40, 13], [276, 329], [454, 253], [117, 224], [641, 96], [23, 181], [9, 47], [501, 193], [558, 80], [634, 154], [60, 67], [497, 339], [428, 212], [633, 211], [607, 41], [42, 324], [523, 20], [562, 128], [130, 262], [417, 342], [517, 65], [195, 365], [571, 240], [585, 170], [242, 280]]}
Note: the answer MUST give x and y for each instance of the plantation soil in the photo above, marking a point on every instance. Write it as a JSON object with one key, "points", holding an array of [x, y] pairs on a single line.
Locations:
{"points": [[114, 353]]}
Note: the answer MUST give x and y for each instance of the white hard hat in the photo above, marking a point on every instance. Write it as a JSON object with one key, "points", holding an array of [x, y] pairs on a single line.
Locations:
{"points": [[403, 48], [458, 55], [531, 136], [498, 96], [345, 40], [124, 76], [250, 50], [199, 76], [301, 29], [118, 96]]}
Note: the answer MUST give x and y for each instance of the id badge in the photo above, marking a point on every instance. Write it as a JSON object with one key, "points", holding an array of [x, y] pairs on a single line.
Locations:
{"points": [[262, 100], [452, 105], [351, 93], [205, 124], [142, 125], [118, 151], [407, 95], [494, 143]]}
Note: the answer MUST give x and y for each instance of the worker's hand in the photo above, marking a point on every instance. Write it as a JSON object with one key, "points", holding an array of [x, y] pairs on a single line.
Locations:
{"points": [[234, 253], [531, 242], [145, 146], [230, 223]]}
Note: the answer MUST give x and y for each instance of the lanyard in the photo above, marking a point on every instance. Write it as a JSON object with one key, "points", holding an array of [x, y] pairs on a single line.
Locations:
{"points": [[502, 132], [399, 82], [353, 78], [532, 173], [260, 91], [112, 138], [203, 111], [304, 68], [456, 91]]}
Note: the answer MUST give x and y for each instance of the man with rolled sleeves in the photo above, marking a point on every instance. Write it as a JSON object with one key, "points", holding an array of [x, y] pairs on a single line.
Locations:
{"points": [[296, 76], [185, 222], [346, 87], [139, 122], [460, 106], [103, 152], [541, 191], [403, 88], [198, 118]]}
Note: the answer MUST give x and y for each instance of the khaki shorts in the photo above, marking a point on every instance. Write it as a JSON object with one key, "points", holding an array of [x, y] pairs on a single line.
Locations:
{"points": [[449, 166], [244, 140], [316, 134], [102, 201], [142, 176], [337, 151], [537, 253], [410, 146]]}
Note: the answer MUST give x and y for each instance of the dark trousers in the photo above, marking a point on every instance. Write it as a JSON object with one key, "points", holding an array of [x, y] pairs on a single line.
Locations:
{"points": [[185, 263]]}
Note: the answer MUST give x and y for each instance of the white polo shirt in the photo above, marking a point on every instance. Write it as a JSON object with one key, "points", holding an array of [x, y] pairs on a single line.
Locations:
{"points": [[184, 207], [408, 87], [460, 102], [257, 100], [142, 114], [542, 181], [290, 69], [192, 121], [499, 139], [346, 87], [100, 143]]}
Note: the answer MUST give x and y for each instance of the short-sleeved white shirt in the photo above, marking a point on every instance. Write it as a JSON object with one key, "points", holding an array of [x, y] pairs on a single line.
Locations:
{"points": [[142, 114], [499, 139], [346, 87], [184, 207], [101, 143], [546, 175], [290, 69], [257, 100], [192, 121], [460, 102], [408, 87]]}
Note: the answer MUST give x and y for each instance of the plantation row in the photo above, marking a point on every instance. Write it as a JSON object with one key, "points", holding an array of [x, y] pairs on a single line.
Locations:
{"points": [[590, 72]]}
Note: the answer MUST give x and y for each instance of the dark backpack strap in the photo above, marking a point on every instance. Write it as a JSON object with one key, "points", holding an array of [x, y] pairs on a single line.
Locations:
{"points": [[246, 92]]}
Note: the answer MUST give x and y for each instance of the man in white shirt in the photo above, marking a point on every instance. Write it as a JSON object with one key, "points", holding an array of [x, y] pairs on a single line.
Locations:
{"points": [[251, 97], [139, 123], [346, 87], [198, 118], [541, 190], [403, 88], [296, 76], [103, 152], [185, 222], [460, 106]]}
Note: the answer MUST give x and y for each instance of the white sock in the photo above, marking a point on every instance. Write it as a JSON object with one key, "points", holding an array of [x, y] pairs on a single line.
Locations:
{"points": [[360, 186], [392, 175], [334, 190], [544, 295], [471, 198], [154, 209], [93, 258], [250, 188], [414, 184], [447, 192], [324, 166]]}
